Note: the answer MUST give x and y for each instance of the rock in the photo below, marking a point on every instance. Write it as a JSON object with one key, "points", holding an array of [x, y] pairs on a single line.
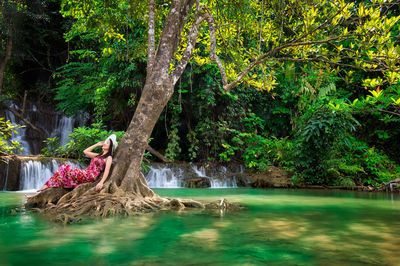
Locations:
{"points": [[200, 182], [176, 204], [197, 175], [189, 203], [242, 179], [10, 169], [274, 177], [224, 205], [179, 204]]}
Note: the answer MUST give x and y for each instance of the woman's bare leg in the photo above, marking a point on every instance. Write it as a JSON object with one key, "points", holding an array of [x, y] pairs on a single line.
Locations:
{"points": [[40, 190], [43, 188], [30, 196]]}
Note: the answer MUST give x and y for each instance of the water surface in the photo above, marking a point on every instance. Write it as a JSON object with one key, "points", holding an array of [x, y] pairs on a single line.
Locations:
{"points": [[279, 227]]}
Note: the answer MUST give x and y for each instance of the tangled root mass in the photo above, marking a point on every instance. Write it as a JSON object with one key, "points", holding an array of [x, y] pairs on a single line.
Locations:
{"points": [[68, 206]]}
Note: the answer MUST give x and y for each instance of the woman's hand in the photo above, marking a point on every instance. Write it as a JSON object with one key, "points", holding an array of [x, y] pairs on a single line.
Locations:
{"points": [[100, 143], [88, 151], [99, 186]]}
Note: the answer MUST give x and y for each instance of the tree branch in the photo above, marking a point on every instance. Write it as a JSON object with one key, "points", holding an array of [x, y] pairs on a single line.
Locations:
{"points": [[24, 103], [261, 25], [157, 154], [41, 131], [385, 111], [213, 46], [151, 38], [264, 58], [185, 8], [227, 86], [320, 59], [191, 43], [170, 34]]}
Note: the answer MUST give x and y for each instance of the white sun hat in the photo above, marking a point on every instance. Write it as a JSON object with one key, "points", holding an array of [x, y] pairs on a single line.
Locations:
{"points": [[113, 138]]}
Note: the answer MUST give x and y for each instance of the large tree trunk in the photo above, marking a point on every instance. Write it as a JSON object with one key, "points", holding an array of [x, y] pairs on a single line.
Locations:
{"points": [[157, 91], [126, 172], [5, 61], [126, 190]]}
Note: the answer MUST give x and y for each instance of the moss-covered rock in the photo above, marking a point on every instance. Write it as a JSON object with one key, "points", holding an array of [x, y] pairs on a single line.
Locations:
{"points": [[274, 177]]}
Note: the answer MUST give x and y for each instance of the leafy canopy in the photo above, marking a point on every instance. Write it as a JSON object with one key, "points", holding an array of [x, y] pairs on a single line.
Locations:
{"points": [[255, 37]]}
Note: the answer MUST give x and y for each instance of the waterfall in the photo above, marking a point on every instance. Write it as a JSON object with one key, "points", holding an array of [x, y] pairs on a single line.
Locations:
{"points": [[65, 126], [21, 132], [164, 177], [34, 173], [199, 172], [217, 179], [176, 176], [31, 172], [46, 118]]}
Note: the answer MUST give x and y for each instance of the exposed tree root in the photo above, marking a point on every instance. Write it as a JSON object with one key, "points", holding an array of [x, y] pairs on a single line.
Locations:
{"points": [[46, 197], [66, 206]]}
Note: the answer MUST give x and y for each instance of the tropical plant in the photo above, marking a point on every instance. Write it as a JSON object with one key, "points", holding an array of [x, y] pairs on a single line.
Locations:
{"points": [[321, 130], [80, 139], [7, 129]]}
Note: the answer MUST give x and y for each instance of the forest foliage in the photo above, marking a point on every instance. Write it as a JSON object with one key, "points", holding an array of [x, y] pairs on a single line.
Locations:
{"points": [[322, 99]]}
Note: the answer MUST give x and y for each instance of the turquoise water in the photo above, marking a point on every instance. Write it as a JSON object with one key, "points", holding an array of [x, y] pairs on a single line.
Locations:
{"points": [[279, 227]]}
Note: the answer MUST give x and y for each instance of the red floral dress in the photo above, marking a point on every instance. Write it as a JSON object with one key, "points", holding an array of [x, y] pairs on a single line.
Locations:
{"points": [[68, 176]]}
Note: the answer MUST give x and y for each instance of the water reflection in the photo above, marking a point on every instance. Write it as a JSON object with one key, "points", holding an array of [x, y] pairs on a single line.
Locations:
{"points": [[288, 227]]}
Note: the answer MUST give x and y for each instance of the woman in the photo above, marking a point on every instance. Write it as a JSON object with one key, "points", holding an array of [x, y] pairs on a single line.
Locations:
{"points": [[68, 176]]}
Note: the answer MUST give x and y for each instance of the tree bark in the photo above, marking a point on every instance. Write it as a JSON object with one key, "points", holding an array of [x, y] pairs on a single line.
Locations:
{"points": [[158, 89], [5, 61]]}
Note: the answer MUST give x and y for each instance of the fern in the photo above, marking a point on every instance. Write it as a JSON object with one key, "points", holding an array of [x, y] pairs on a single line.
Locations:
{"points": [[325, 91]]}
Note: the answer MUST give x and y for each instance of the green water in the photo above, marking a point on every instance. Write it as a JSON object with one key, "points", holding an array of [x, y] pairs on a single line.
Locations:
{"points": [[280, 227]]}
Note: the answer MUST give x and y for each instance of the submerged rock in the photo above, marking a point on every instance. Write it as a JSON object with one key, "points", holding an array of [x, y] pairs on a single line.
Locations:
{"points": [[224, 205]]}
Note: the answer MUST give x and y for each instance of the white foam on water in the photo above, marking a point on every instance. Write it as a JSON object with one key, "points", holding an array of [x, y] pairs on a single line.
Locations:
{"points": [[163, 177], [214, 181]]}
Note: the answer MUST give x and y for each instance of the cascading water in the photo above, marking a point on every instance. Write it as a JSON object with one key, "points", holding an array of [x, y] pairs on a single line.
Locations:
{"points": [[164, 177], [217, 182], [21, 132], [34, 173], [175, 176], [65, 126], [31, 172], [54, 123]]}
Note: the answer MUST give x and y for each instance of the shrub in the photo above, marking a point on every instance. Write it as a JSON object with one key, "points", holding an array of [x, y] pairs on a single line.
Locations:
{"points": [[81, 138], [322, 130], [8, 146]]}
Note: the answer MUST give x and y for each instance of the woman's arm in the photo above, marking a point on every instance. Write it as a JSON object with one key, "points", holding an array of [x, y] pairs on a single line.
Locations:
{"points": [[99, 185], [88, 151]]}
